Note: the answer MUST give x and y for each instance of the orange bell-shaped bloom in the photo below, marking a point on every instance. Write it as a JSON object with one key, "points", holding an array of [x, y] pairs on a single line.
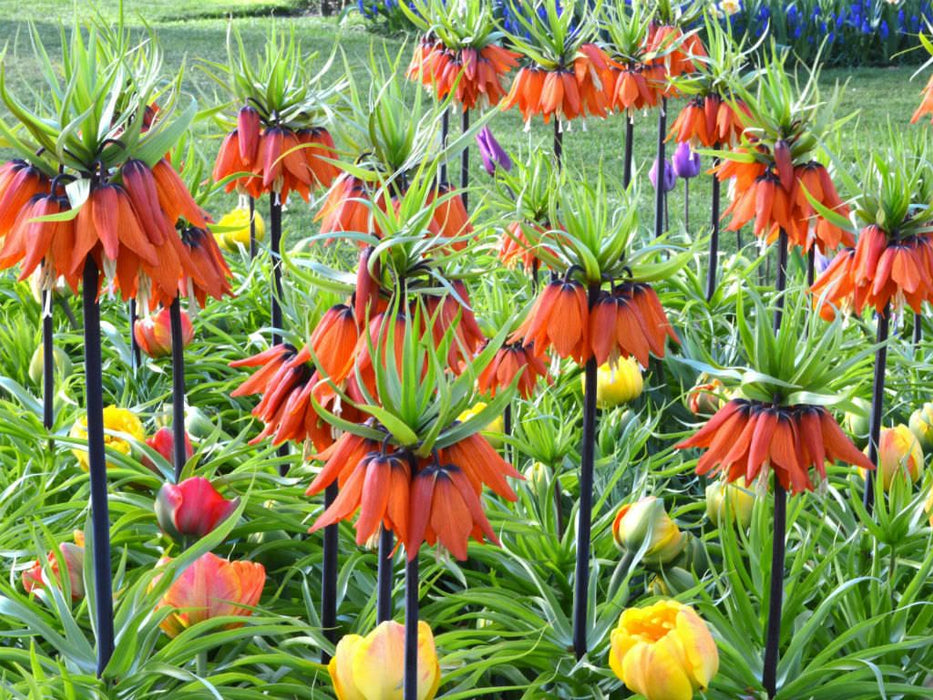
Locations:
{"points": [[560, 318], [19, 183], [333, 341], [745, 437], [346, 208], [510, 360], [926, 105], [709, 121], [212, 587]]}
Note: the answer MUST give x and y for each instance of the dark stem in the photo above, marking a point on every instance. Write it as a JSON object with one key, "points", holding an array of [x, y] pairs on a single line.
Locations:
{"points": [[507, 428], [558, 143], [97, 466], [275, 241], [713, 263], [48, 362], [69, 314], [535, 267], [384, 575], [445, 131], [811, 266], [329, 576], [918, 329], [659, 190], [464, 158], [629, 145], [585, 513], [780, 284], [180, 455], [686, 204], [776, 598], [411, 630], [135, 357], [877, 404], [252, 227]]}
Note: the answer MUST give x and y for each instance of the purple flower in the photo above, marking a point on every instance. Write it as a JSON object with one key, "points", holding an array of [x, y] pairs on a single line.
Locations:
{"points": [[491, 152], [686, 162], [669, 176]]}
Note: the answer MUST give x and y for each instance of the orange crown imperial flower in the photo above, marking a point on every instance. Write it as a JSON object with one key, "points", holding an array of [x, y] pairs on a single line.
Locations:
{"points": [[474, 75], [709, 121], [746, 437]]}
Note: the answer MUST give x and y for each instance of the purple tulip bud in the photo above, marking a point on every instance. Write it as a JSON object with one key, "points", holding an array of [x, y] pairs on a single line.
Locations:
{"points": [[491, 152], [686, 162], [669, 176]]}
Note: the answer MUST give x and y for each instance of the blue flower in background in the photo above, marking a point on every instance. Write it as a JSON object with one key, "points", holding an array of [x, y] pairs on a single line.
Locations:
{"points": [[884, 29]]}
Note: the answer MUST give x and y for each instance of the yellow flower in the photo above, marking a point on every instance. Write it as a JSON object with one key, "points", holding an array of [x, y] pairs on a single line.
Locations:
{"points": [[117, 420], [730, 499], [899, 454], [233, 228], [646, 523], [493, 431], [617, 384], [664, 651], [373, 667]]}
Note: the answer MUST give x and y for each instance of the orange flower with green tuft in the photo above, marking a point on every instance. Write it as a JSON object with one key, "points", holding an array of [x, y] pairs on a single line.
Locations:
{"points": [[892, 259], [212, 587], [574, 314], [634, 82], [278, 142], [565, 74], [781, 424], [779, 182], [459, 53]]}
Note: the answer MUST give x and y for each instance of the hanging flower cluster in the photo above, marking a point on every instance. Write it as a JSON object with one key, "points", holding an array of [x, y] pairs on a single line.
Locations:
{"points": [[278, 143], [634, 80], [459, 52], [776, 176], [778, 426], [892, 260], [574, 314], [565, 74]]}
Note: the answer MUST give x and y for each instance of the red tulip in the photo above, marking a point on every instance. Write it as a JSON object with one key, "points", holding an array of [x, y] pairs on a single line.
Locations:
{"points": [[193, 507], [212, 587], [163, 442], [35, 578], [154, 333]]}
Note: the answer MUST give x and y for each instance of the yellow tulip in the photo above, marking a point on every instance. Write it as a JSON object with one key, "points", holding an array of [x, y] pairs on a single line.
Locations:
{"points": [[899, 454], [663, 651], [647, 521], [237, 223], [493, 431], [373, 667], [617, 384], [730, 499], [119, 420]]}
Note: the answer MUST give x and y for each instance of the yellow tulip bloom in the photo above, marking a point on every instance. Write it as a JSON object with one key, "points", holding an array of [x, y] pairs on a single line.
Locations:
{"points": [[664, 651], [119, 420]]}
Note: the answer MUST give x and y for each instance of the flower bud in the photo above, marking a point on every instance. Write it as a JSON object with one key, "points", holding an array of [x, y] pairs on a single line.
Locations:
{"points": [[35, 578], [163, 442], [617, 383], [63, 363], [899, 456], [686, 162], [729, 502], [192, 508], [705, 398], [921, 425], [154, 333], [646, 524], [373, 667], [856, 422], [663, 651]]}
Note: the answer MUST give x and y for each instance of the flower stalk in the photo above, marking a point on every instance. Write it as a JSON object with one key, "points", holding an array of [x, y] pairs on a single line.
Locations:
{"points": [[179, 456], [329, 576], [135, 356], [411, 629], [252, 227], [48, 362], [100, 520], [877, 403], [660, 195], [776, 596], [464, 162], [584, 522], [629, 146]]}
